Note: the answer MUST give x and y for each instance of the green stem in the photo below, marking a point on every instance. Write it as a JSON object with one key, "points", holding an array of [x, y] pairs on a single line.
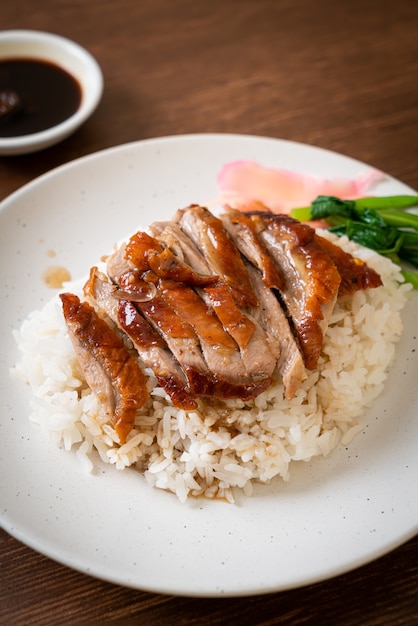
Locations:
{"points": [[386, 202], [303, 214], [395, 217], [410, 277]]}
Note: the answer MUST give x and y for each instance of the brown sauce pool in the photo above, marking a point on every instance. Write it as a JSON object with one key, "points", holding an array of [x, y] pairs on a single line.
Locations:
{"points": [[35, 95], [55, 276]]}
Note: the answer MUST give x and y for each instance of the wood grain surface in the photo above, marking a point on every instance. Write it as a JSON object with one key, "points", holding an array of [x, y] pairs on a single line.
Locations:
{"points": [[339, 75]]}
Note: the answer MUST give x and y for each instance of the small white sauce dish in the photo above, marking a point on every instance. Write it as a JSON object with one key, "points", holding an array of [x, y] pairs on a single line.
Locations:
{"points": [[67, 55]]}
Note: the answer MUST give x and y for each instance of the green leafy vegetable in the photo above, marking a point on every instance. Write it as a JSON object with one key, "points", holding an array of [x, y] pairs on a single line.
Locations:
{"points": [[380, 223], [393, 206]]}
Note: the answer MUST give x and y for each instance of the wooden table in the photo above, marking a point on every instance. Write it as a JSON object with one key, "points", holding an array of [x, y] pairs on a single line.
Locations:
{"points": [[340, 75]]}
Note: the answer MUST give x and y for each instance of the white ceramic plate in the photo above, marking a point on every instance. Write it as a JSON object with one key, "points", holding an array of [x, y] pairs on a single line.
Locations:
{"points": [[334, 515]]}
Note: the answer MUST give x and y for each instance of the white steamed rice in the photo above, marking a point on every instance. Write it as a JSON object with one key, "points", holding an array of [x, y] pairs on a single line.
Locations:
{"points": [[210, 451]]}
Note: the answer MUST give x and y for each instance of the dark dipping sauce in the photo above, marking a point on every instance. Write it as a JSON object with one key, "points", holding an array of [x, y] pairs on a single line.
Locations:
{"points": [[35, 95]]}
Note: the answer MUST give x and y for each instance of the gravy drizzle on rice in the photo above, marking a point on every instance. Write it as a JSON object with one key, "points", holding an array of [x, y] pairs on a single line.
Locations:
{"points": [[205, 437]]}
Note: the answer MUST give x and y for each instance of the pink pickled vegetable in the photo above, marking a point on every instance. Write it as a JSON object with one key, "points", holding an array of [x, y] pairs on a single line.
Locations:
{"points": [[241, 182]]}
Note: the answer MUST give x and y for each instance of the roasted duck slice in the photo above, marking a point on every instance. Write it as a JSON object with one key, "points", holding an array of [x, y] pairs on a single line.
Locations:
{"points": [[235, 322], [272, 318], [355, 273], [151, 347], [171, 235], [186, 302], [311, 278], [146, 253], [111, 370], [253, 364], [242, 231], [217, 295], [143, 252], [182, 341], [165, 264], [209, 235], [255, 349], [155, 354], [117, 263]]}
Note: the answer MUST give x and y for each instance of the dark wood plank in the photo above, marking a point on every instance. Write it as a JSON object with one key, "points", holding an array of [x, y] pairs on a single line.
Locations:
{"points": [[383, 592]]}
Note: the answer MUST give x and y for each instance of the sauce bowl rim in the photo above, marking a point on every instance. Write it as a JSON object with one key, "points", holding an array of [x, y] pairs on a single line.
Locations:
{"points": [[70, 56]]}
